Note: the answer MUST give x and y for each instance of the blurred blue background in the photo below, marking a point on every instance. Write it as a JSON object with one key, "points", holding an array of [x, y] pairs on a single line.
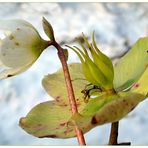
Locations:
{"points": [[117, 27]]}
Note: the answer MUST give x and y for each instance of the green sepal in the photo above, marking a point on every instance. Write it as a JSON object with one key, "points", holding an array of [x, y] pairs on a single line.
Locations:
{"points": [[66, 54], [103, 63], [97, 67], [48, 29]]}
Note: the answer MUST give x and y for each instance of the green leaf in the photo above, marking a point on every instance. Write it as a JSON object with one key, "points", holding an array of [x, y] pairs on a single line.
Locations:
{"points": [[142, 85], [48, 119], [54, 84], [54, 119], [106, 109], [130, 67], [48, 29]]}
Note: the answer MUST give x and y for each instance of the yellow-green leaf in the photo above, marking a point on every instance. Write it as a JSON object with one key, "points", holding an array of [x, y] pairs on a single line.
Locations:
{"points": [[48, 119], [130, 67], [54, 84], [53, 119], [142, 85], [106, 109]]}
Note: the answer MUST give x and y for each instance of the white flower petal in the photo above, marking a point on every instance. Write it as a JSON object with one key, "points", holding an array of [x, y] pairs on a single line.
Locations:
{"points": [[9, 26], [21, 47], [12, 25], [23, 33], [5, 73], [7, 33], [16, 57]]}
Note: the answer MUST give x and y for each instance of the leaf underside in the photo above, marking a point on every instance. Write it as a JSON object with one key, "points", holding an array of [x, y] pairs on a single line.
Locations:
{"points": [[131, 66], [51, 119], [141, 86], [54, 119]]}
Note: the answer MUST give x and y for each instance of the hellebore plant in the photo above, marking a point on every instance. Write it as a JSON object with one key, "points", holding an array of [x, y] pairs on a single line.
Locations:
{"points": [[103, 93], [21, 48]]}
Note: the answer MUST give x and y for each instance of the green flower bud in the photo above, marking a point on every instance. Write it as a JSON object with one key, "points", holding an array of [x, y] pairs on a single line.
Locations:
{"points": [[97, 67], [48, 29], [85, 67], [20, 48], [66, 54]]}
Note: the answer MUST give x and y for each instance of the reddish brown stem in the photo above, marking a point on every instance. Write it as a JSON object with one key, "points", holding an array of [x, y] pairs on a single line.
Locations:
{"points": [[70, 91], [113, 140]]}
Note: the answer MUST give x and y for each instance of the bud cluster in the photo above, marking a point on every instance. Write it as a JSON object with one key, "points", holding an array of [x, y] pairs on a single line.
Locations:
{"points": [[97, 67]]}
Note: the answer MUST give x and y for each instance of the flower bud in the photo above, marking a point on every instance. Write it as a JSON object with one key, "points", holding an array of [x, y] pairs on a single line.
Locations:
{"points": [[48, 29], [97, 67]]}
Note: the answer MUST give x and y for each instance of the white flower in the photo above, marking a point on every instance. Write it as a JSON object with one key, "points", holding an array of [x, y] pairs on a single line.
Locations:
{"points": [[20, 48]]}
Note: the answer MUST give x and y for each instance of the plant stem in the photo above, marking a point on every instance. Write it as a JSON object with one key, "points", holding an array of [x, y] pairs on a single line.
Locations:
{"points": [[113, 139], [69, 87]]}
